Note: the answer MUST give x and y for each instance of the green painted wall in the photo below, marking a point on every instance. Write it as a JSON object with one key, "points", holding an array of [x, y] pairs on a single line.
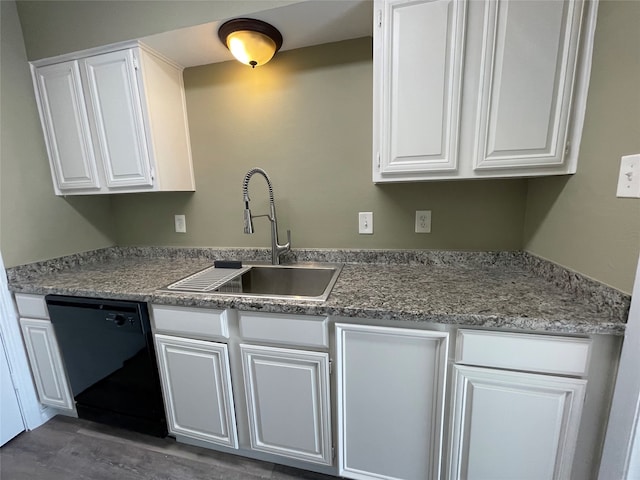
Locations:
{"points": [[34, 223], [306, 119], [577, 221]]}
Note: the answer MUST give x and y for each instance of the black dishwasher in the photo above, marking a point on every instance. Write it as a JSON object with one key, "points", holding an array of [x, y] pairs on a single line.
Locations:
{"points": [[107, 348]]}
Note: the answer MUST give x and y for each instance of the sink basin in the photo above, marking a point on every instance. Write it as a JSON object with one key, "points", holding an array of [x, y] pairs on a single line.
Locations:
{"points": [[303, 281]]}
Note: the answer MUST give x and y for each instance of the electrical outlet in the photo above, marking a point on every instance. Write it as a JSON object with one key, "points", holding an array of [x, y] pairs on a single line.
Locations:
{"points": [[629, 177], [180, 223], [365, 223], [423, 221]]}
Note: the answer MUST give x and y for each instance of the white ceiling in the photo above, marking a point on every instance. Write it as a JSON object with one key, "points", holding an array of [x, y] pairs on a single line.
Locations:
{"points": [[310, 22]]}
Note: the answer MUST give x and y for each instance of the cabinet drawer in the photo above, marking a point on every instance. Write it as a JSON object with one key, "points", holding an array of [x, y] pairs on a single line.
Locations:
{"points": [[32, 306], [302, 330], [199, 322], [529, 352]]}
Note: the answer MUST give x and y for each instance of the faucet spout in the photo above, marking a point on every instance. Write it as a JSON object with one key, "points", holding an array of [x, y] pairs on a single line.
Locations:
{"points": [[276, 249], [248, 221]]}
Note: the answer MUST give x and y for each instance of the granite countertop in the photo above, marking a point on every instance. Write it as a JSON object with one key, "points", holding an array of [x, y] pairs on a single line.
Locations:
{"points": [[505, 290]]}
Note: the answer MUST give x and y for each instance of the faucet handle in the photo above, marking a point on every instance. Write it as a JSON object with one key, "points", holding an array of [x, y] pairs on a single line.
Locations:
{"points": [[289, 238]]}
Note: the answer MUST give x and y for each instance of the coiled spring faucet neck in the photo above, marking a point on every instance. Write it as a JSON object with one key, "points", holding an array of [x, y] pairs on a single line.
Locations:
{"points": [[245, 186], [276, 248]]}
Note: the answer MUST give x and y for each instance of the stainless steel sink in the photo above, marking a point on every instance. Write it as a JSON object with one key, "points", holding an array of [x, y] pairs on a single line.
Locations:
{"points": [[302, 281]]}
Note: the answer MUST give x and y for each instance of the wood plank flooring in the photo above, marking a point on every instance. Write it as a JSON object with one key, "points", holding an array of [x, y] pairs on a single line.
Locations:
{"points": [[72, 449]]}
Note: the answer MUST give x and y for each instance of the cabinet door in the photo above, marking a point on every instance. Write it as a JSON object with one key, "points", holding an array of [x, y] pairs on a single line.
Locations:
{"points": [[514, 424], [527, 75], [418, 48], [288, 402], [117, 118], [391, 387], [196, 384], [46, 363], [66, 126]]}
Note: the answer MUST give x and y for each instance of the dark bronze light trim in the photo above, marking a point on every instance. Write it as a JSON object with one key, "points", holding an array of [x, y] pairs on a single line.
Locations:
{"points": [[251, 24]]}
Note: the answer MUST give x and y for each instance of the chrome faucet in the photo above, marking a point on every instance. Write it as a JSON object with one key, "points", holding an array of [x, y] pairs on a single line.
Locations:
{"points": [[276, 248]]}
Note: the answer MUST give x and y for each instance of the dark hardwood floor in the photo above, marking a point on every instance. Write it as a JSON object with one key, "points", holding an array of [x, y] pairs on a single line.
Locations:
{"points": [[72, 449]]}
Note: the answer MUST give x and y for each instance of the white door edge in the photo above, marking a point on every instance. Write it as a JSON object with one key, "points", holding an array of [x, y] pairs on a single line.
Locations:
{"points": [[33, 413], [621, 454]]}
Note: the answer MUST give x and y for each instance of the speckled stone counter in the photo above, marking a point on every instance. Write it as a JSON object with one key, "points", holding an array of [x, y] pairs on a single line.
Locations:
{"points": [[504, 290]]}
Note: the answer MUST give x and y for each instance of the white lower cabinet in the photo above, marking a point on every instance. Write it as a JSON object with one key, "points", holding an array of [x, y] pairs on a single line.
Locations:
{"points": [[288, 402], [514, 411], [390, 397], [514, 424], [196, 384], [509, 424], [46, 363]]}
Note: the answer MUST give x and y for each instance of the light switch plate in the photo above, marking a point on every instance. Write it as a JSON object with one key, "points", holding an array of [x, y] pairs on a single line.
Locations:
{"points": [[629, 177], [365, 223]]}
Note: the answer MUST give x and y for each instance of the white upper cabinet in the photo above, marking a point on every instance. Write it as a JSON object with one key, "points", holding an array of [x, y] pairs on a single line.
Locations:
{"points": [[66, 127], [418, 74], [119, 125], [527, 70], [114, 122], [486, 89]]}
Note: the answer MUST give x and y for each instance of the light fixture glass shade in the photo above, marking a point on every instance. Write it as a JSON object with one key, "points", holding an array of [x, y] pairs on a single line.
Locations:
{"points": [[251, 48], [251, 41]]}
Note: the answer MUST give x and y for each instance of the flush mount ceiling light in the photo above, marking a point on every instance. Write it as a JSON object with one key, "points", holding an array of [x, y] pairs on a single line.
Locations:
{"points": [[252, 42]]}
